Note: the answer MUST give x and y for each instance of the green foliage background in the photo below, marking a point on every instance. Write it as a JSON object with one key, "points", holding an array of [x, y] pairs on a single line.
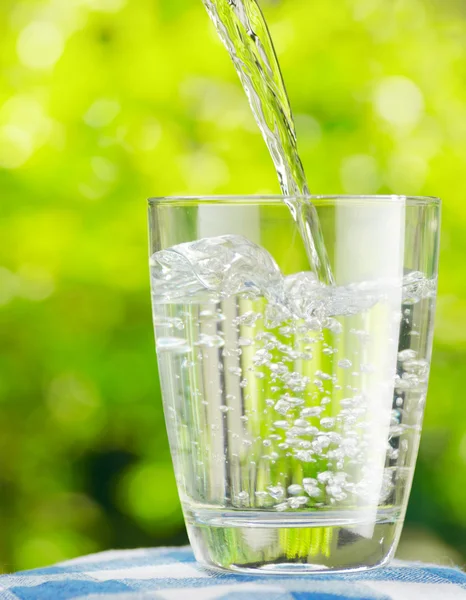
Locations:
{"points": [[105, 102]]}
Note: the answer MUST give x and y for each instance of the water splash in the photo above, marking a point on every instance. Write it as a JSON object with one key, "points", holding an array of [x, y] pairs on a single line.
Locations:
{"points": [[243, 30]]}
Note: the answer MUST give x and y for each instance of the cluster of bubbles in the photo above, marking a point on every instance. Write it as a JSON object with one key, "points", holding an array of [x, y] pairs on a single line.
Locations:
{"points": [[312, 418]]}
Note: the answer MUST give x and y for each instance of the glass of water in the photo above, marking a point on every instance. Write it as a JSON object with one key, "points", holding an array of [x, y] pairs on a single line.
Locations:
{"points": [[293, 407]]}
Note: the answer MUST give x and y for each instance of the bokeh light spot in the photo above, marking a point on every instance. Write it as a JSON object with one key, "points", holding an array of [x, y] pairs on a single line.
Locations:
{"points": [[38, 545], [71, 400], [399, 101], [406, 173], [94, 191], [206, 171], [104, 169], [40, 45], [364, 8], [105, 5], [360, 174], [49, 550], [16, 146], [284, 34], [27, 113], [8, 286], [150, 136], [148, 493], [36, 283], [462, 448], [309, 131], [102, 112], [219, 103]]}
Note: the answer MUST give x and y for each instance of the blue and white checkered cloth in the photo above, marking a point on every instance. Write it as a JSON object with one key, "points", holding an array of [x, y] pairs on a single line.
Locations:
{"points": [[172, 574]]}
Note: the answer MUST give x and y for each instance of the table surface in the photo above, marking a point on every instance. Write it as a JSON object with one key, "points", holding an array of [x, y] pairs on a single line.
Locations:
{"points": [[172, 574]]}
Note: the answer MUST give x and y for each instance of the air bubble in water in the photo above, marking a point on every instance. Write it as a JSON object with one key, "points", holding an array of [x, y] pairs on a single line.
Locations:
{"points": [[363, 335], [407, 354], [305, 456], [322, 442], [324, 376], [297, 502], [345, 364], [235, 371], [347, 402], [286, 331], [187, 364], [393, 453], [248, 319], [309, 481], [173, 344], [333, 325], [295, 489], [292, 400], [281, 424], [282, 407], [231, 352], [210, 341], [396, 430], [169, 322], [418, 367], [261, 494], [213, 316], [262, 357], [312, 411], [335, 492], [276, 491], [325, 476], [311, 488]]}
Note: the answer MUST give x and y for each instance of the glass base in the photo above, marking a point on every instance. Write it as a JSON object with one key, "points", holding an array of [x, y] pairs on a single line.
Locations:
{"points": [[271, 543]]}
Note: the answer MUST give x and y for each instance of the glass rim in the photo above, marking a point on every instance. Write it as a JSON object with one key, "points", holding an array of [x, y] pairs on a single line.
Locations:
{"points": [[277, 198]]}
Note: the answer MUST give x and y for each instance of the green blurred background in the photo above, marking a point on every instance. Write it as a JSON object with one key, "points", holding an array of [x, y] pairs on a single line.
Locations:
{"points": [[105, 102]]}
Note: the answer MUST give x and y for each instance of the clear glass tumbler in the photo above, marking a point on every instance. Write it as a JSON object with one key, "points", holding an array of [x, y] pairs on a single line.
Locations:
{"points": [[293, 407]]}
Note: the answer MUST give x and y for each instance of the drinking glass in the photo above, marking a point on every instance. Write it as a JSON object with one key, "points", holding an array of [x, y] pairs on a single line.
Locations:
{"points": [[293, 407]]}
